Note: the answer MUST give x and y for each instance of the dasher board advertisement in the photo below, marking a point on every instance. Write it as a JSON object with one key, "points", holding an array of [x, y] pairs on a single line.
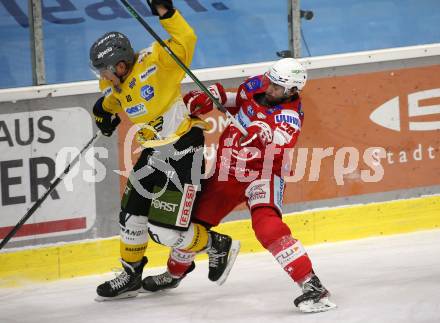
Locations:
{"points": [[35, 147]]}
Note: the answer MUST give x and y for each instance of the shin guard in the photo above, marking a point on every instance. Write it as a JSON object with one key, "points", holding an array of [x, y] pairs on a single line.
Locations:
{"points": [[134, 236]]}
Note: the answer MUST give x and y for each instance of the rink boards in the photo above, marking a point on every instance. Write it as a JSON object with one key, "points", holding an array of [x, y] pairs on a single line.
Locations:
{"points": [[69, 260], [353, 103]]}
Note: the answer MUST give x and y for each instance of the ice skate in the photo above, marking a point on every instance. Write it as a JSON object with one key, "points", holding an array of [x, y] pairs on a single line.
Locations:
{"points": [[163, 281], [125, 285], [314, 298], [222, 254]]}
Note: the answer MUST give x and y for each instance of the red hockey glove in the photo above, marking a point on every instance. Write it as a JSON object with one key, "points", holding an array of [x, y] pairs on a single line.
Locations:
{"points": [[199, 103], [259, 135]]}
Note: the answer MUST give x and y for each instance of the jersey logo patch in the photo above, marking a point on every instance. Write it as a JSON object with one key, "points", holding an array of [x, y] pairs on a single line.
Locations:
{"points": [[147, 92], [132, 83], [136, 110], [243, 94], [147, 73], [250, 111], [253, 84], [107, 91]]}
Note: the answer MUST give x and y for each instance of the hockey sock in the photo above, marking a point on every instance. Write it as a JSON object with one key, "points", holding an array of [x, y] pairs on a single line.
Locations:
{"points": [[179, 262], [134, 236], [196, 240], [276, 237], [199, 241], [292, 256]]}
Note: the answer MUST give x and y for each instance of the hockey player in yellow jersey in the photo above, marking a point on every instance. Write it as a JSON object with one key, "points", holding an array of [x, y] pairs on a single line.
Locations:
{"points": [[166, 180]]}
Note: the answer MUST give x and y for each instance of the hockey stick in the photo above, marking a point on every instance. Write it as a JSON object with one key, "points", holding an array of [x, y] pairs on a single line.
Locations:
{"points": [[49, 190], [220, 107]]}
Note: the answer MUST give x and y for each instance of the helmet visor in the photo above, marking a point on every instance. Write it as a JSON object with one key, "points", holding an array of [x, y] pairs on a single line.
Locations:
{"points": [[102, 72]]}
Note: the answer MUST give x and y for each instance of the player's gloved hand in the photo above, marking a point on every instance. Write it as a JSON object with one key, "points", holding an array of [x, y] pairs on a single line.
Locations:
{"points": [[198, 102], [168, 4], [105, 121], [259, 135]]}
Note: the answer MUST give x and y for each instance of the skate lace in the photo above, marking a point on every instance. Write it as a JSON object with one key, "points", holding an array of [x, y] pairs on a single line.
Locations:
{"points": [[163, 279], [120, 280], [214, 257]]}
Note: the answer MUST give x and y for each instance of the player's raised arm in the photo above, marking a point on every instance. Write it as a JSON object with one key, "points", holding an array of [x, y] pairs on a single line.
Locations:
{"points": [[183, 38]]}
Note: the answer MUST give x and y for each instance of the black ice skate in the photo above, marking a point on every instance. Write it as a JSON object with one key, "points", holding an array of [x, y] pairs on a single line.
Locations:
{"points": [[222, 254], [314, 297], [163, 281], [125, 285]]}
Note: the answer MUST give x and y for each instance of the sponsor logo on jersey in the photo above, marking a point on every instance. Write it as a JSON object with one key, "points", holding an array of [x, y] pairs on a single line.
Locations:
{"points": [[289, 117], [250, 111], [107, 91], [132, 83], [147, 92], [275, 108], [147, 73], [184, 214], [253, 84], [164, 206], [243, 94], [136, 110]]}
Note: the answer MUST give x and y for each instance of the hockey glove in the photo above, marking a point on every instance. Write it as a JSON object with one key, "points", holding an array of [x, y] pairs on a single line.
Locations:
{"points": [[259, 135], [104, 120], [198, 102], [168, 4]]}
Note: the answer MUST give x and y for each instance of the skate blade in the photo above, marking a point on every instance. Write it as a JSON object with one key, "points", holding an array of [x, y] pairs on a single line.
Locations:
{"points": [[233, 253], [322, 305], [122, 296]]}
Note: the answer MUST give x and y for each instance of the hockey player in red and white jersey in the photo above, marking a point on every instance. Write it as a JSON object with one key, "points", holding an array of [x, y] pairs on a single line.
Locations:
{"points": [[249, 169]]}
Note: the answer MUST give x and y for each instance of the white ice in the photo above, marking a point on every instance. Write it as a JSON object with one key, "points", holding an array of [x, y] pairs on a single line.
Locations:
{"points": [[388, 279]]}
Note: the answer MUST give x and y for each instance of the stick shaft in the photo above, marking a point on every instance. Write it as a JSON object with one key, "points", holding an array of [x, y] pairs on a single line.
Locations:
{"points": [[46, 194]]}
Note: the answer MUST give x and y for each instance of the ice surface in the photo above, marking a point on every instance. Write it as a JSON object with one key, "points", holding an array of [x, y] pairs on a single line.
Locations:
{"points": [[388, 279]]}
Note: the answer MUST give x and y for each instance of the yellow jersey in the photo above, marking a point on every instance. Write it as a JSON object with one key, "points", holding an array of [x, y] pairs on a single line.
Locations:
{"points": [[150, 94]]}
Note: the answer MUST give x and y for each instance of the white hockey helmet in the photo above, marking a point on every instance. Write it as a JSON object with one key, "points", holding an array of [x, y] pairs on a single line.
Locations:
{"points": [[289, 73]]}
